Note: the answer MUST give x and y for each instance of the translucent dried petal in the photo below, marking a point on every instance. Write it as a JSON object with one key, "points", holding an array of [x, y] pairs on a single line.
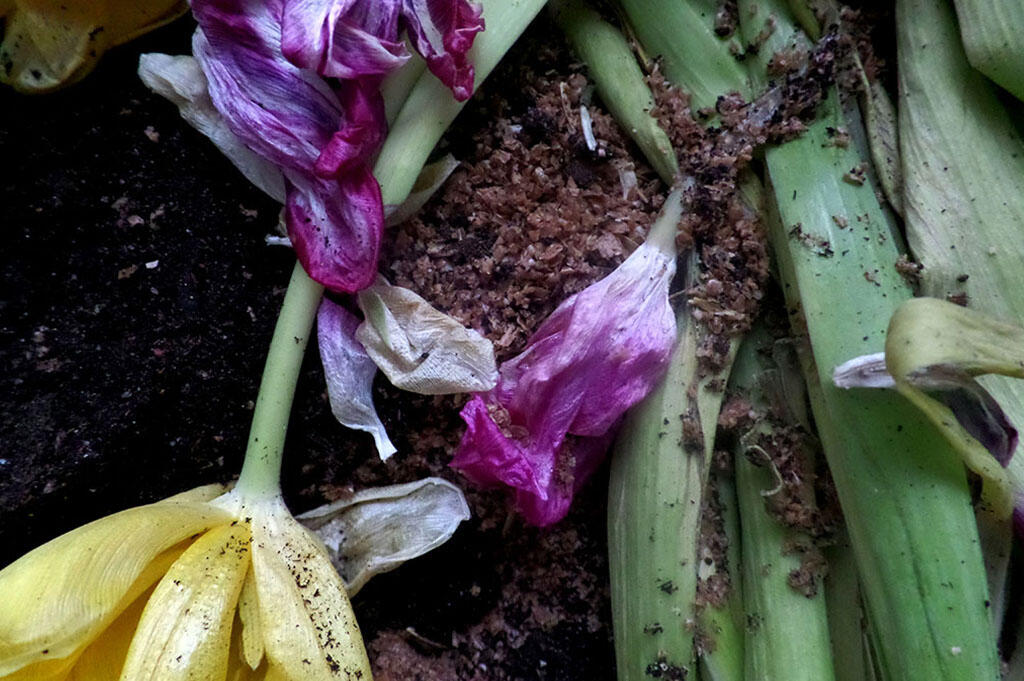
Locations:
{"points": [[349, 372], [545, 426], [180, 80], [377, 529], [431, 178], [419, 348]]}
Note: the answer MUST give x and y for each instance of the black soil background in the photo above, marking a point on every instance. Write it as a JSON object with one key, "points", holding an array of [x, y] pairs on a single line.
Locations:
{"points": [[137, 300]]}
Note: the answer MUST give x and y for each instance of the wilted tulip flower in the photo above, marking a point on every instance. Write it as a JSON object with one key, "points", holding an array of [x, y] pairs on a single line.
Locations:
{"points": [[205, 584], [298, 83], [154, 591], [547, 424]]}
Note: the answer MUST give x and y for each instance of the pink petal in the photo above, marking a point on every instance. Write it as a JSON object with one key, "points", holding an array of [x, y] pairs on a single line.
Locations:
{"points": [[442, 32], [545, 427], [280, 111], [335, 226], [345, 39], [356, 143]]}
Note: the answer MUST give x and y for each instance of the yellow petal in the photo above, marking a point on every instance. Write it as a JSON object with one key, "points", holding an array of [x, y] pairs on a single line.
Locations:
{"points": [[185, 631], [310, 632], [204, 493], [59, 597], [88, 660], [103, 659], [49, 43], [275, 673], [252, 631], [238, 670]]}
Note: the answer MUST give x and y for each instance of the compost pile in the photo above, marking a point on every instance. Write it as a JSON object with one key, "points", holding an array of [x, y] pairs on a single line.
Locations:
{"points": [[142, 274]]}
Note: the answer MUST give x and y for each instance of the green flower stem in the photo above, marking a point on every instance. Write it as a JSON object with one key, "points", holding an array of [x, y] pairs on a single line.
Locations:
{"points": [[620, 82], [430, 109], [261, 471]]}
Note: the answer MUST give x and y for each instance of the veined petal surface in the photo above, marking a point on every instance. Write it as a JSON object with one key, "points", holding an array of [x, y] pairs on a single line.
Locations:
{"points": [[185, 630], [599, 353], [180, 80], [291, 117], [442, 32], [103, 659], [345, 39], [309, 629], [59, 597], [420, 348], [349, 372]]}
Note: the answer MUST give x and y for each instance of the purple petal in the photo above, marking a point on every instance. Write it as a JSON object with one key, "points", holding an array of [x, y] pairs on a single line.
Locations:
{"points": [[335, 226], [443, 31], [356, 143], [546, 425], [981, 416], [280, 111], [346, 39], [291, 117], [1018, 515]]}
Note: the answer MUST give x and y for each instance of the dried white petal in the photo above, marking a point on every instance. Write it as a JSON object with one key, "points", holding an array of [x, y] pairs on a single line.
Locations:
{"points": [[349, 372], [378, 529], [421, 349], [180, 80], [588, 128], [866, 371]]}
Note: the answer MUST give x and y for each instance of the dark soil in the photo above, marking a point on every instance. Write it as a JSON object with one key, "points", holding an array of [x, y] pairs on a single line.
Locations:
{"points": [[137, 299]]}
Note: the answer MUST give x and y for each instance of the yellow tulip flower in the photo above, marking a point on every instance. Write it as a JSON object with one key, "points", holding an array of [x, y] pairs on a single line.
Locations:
{"points": [[202, 585], [50, 43]]}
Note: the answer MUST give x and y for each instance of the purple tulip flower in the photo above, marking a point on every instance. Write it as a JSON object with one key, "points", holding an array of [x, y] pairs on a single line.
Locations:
{"points": [[268, 63], [547, 424]]}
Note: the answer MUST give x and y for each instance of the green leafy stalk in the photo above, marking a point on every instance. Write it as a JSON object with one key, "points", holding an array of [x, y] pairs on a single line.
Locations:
{"points": [[902, 489], [662, 461], [654, 499], [963, 168], [850, 654], [654, 502], [682, 34], [620, 82], [722, 623], [788, 633], [991, 33], [430, 108]]}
